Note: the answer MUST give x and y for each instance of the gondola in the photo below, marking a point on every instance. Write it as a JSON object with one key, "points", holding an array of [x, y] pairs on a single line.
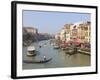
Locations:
{"points": [[40, 61]]}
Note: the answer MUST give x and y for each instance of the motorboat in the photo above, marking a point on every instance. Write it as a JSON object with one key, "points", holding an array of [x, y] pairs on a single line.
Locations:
{"points": [[56, 47], [31, 54], [69, 51], [31, 51], [52, 44]]}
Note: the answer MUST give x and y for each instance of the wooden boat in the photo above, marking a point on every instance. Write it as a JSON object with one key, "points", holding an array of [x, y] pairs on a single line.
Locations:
{"points": [[39, 61]]}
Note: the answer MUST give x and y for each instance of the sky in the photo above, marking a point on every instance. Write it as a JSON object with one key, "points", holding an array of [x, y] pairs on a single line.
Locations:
{"points": [[51, 22]]}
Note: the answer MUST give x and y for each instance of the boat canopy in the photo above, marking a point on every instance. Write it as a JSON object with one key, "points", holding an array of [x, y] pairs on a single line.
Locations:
{"points": [[31, 48]]}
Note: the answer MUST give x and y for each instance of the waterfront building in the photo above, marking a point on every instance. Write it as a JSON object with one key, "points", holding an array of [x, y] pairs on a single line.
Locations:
{"points": [[31, 30], [74, 32], [84, 31], [78, 33], [87, 30], [65, 33], [57, 36], [67, 28], [29, 34], [62, 35]]}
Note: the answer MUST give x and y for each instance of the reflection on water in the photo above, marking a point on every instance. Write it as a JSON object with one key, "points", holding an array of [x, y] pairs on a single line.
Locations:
{"points": [[59, 57]]}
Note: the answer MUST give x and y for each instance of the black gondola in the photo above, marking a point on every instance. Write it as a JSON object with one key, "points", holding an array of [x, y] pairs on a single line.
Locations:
{"points": [[40, 61]]}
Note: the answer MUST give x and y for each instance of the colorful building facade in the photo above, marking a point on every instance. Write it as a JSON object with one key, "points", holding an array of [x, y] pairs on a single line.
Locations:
{"points": [[77, 33]]}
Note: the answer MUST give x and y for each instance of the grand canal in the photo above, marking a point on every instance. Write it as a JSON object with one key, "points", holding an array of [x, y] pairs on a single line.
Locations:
{"points": [[59, 57]]}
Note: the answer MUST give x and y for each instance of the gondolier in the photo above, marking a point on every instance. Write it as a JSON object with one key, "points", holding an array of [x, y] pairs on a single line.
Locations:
{"points": [[44, 58]]}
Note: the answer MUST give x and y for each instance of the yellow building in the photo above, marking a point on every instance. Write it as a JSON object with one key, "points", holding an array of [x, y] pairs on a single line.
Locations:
{"points": [[84, 31], [87, 30]]}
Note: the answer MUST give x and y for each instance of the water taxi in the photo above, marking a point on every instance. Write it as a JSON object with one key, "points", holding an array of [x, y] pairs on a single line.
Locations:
{"points": [[31, 51]]}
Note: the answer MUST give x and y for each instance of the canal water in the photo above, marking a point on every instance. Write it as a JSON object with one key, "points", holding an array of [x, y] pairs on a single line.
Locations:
{"points": [[59, 58]]}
